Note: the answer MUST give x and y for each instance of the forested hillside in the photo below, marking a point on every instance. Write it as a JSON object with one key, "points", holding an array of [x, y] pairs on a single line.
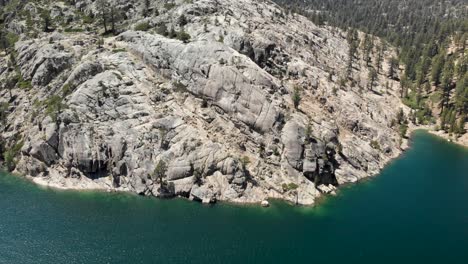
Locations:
{"points": [[431, 36]]}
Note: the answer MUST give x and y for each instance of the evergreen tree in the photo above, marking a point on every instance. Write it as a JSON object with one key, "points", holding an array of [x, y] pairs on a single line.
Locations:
{"points": [[159, 172], [103, 9], [379, 59], [114, 17], [461, 95], [46, 20], [372, 75], [393, 68], [446, 83], [352, 41], [296, 97], [146, 8], [461, 125], [368, 45], [437, 66], [182, 21], [453, 119], [3, 40]]}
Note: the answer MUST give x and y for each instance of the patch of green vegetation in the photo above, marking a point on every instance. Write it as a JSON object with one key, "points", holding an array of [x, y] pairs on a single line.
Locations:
{"points": [[24, 84], [289, 187], [143, 26], [403, 129], [413, 100], [67, 89], [296, 97], [10, 154], [12, 6], [375, 145], [119, 50], [11, 38], [245, 161], [435, 97], [162, 30], [3, 111], [179, 87], [71, 29], [87, 19], [424, 116], [53, 106], [183, 36], [26, 15], [169, 6], [276, 151]]}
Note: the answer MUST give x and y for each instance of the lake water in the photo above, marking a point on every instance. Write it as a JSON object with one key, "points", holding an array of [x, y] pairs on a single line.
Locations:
{"points": [[415, 211]]}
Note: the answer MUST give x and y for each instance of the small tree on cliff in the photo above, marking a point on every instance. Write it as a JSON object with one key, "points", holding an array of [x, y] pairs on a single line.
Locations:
{"points": [[146, 8], [182, 21], [3, 113], [3, 41], [296, 97], [114, 17], [103, 8], [372, 77], [160, 171], [393, 68], [45, 16], [110, 14]]}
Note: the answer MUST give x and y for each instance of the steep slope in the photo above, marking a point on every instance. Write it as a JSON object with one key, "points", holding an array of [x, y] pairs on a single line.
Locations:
{"points": [[216, 107], [431, 37]]}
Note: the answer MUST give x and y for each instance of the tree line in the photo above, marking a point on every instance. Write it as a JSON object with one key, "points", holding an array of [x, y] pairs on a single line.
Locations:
{"points": [[431, 37]]}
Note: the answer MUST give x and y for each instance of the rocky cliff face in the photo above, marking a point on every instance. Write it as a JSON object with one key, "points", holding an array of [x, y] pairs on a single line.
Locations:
{"points": [[87, 111]]}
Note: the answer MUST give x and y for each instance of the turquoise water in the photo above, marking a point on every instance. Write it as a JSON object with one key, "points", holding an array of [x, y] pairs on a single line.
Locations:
{"points": [[415, 211]]}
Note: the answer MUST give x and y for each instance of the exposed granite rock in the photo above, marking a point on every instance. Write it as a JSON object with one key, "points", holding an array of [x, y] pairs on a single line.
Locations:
{"points": [[217, 110]]}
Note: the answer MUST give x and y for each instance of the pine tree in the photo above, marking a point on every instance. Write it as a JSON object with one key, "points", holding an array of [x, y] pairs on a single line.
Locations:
{"points": [[379, 59], [368, 45], [182, 21], [296, 97], [3, 40], [114, 17], [427, 87], [446, 83], [351, 55], [400, 117], [461, 95], [445, 116], [453, 119], [372, 75], [103, 8], [146, 8], [461, 125], [159, 172], [393, 68], [46, 20], [437, 66]]}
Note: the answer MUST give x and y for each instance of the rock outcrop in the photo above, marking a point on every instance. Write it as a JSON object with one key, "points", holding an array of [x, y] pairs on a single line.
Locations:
{"points": [[217, 109]]}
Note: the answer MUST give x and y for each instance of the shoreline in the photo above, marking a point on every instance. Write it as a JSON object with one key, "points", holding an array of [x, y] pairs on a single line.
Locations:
{"points": [[461, 141], [104, 185]]}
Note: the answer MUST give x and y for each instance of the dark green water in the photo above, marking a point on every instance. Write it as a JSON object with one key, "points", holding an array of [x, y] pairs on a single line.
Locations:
{"points": [[416, 211]]}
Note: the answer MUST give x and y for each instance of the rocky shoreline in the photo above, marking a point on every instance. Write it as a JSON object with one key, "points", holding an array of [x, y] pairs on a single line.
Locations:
{"points": [[243, 103], [61, 183]]}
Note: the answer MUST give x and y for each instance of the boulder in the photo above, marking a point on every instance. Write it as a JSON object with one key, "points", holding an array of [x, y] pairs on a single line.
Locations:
{"points": [[203, 193]]}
